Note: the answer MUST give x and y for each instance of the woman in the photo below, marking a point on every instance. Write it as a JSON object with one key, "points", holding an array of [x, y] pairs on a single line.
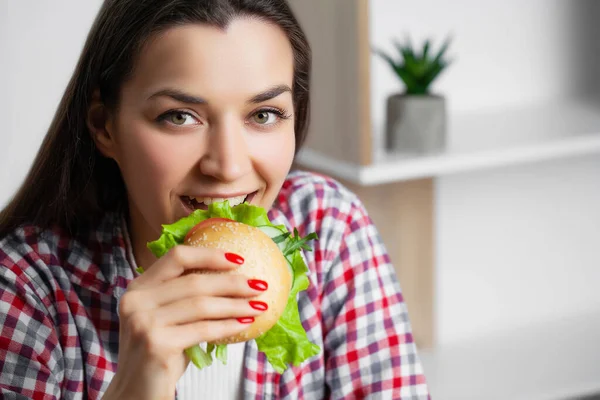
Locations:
{"points": [[175, 99]]}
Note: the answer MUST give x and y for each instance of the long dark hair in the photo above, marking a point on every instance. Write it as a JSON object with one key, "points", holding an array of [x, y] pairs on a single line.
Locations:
{"points": [[70, 184]]}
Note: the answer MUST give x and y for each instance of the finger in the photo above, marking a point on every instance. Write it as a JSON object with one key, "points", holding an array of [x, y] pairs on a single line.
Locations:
{"points": [[197, 309], [188, 335], [193, 285], [182, 259]]}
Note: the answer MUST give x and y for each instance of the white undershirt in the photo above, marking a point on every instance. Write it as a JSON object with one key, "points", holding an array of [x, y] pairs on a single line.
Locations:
{"points": [[215, 382]]}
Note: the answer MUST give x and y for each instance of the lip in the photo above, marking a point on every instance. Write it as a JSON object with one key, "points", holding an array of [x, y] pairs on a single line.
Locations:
{"points": [[189, 210], [219, 195]]}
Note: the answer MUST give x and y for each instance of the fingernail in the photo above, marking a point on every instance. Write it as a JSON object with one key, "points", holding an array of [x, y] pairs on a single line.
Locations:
{"points": [[257, 284], [259, 305], [246, 320], [234, 258]]}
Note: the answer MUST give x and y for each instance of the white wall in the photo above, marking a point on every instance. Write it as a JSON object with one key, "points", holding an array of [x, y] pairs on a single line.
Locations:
{"points": [[506, 52], [40, 42], [516, 246]]}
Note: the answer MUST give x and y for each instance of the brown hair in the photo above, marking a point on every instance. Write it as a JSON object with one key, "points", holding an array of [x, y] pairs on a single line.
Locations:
{"points": [[79, 185]]}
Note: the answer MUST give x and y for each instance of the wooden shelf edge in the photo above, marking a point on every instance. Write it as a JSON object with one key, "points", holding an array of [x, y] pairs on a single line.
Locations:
{"points": [[411, 168]]}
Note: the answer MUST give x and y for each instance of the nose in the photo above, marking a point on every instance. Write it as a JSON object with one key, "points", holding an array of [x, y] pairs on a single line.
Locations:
{"points": [[227, 157]]}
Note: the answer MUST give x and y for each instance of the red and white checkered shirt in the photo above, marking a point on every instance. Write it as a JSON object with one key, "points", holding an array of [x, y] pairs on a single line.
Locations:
{"points": [[60, 328]]}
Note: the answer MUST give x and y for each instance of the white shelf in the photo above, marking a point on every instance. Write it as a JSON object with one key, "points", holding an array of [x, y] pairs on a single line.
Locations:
{"points": [[484, 140], [558, 360]]}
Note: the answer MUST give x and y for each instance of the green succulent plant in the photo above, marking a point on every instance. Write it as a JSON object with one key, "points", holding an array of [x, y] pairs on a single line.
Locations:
{"points": [[417, 71]]}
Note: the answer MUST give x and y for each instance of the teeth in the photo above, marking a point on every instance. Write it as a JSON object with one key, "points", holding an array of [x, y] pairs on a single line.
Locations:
{"points": [[233, 201]]}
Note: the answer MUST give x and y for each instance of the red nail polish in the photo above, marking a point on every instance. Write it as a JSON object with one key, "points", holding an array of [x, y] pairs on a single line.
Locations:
{"points": [[246, 320], [258, 305], [234, 258], [257, 284]]}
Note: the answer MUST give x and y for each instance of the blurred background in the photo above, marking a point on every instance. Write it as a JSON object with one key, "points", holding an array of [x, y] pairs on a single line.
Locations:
{"points": [[484, 183]]}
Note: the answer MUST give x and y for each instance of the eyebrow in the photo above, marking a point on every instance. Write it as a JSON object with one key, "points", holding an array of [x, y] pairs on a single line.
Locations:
{"points": [[179, 96], [270, 94], [187, 98]]}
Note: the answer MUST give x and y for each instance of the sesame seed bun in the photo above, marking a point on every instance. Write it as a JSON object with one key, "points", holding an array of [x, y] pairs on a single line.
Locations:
{"points": [[262, 260]]}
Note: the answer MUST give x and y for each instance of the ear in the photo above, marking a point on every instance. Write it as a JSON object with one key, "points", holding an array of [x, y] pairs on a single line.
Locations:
{"points": [[100, 124]]}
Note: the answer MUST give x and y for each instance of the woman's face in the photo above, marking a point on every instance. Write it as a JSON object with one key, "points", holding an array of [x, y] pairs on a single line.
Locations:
{"points": [[207, 115]]}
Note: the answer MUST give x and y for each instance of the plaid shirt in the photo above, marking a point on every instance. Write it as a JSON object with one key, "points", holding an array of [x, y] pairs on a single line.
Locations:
{"points": [[60, 328]]}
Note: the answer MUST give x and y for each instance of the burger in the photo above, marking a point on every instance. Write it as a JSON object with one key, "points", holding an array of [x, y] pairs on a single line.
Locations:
{"points": [[271, 253]]}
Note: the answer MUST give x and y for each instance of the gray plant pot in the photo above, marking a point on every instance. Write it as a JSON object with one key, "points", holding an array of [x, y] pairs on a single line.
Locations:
{"points": [[416, 124]]}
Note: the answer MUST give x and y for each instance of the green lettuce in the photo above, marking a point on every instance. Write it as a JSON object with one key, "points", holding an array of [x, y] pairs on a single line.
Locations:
{"points": [[286, 342]]}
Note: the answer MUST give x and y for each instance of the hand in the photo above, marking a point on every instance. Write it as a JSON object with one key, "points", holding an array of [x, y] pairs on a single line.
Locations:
{"points": [[168, 309]]}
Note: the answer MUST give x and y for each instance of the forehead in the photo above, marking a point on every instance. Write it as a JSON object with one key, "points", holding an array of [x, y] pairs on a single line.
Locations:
{"points": [[241, 60]]}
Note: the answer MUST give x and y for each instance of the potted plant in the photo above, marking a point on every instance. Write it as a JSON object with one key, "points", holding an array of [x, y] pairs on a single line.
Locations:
{"points": [[416, 118]]}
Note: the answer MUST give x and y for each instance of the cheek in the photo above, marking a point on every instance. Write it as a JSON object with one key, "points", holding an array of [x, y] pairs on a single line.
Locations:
{"points": [[151, 162], [273, 157]]}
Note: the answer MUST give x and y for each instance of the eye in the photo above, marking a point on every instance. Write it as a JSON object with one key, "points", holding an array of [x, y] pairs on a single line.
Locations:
{"points": [[269, 117], [265, 117], [178, 118], [181, 118]]}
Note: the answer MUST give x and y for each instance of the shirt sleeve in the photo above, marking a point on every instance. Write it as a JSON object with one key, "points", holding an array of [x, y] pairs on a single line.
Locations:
{"points": [[369, 348], [29, 346]]}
